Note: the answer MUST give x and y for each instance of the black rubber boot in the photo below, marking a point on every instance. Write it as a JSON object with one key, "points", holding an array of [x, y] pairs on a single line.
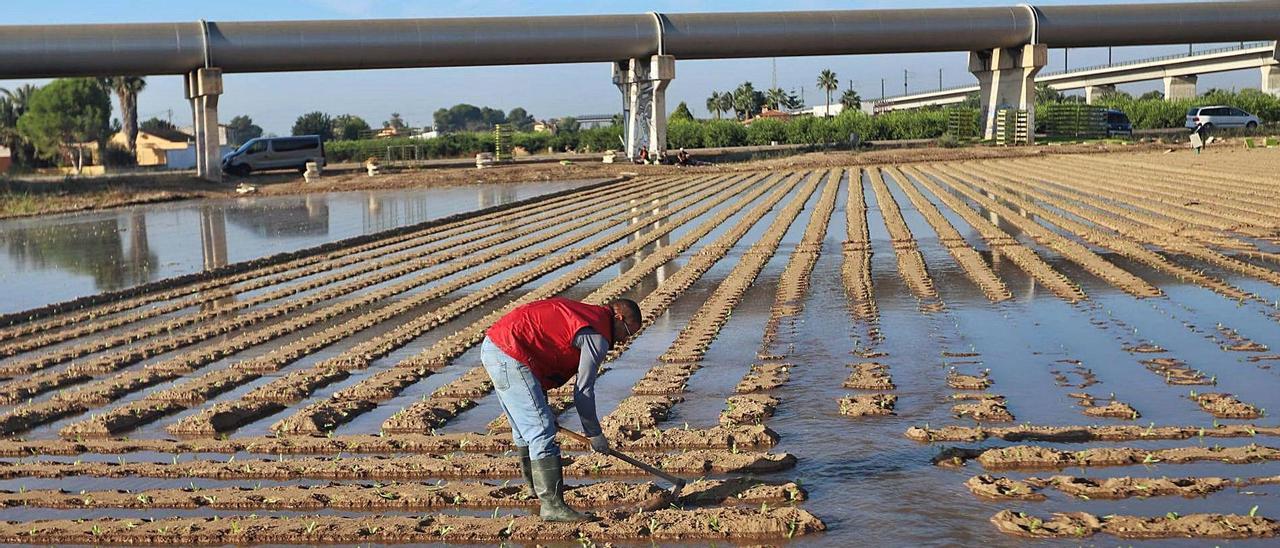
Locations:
{"points": [[526, 471], [548, 483]]}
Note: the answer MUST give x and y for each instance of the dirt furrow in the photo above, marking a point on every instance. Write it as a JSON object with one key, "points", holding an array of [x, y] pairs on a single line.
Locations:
{"points": [[1083, 434], [659, 525], [975, 268], [1068, 248], [396, 496], [1000, 242], [416, 467], [1126, 223], [911, 265], [1117, 488], [1032, 457], [1078, 525]]}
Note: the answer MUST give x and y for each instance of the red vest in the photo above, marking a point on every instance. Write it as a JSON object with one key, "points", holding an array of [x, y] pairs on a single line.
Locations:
{"points": [[540, 335]]}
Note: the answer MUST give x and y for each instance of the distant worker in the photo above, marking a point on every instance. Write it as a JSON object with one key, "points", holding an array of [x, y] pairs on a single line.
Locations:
{"points": [[682, 157], [1199, 137], [540, 346], [643, 157]]}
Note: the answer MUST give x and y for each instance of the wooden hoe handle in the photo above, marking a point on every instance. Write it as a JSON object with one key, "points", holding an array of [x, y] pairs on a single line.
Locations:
{"points": [[627, 459]]}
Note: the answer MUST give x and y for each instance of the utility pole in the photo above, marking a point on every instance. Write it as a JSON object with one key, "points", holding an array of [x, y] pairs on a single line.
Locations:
{"points": [[882, 89], [939, 79], [1066, 59], [1108, 56], [775, 73], [904, 81]]}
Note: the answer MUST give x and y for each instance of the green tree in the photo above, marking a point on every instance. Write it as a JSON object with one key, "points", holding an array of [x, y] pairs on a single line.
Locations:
{"points": [[681, 112], [241, 129], [349, 127], [568, 124], [775, 98], [684, 134], [9, 134], [723, 133], [851, 100], [828, 82], [521, 119], [713, 104], [1046, 94], [396, 122], [156, 124], [747, 102], [65, 115], [127, 89], [765, 132], [314, 123], [726, 102], [1153, 95]]}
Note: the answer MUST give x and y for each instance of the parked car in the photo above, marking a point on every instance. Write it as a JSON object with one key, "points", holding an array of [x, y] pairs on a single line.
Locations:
{"points": [[1220, 116], [274, 153], [1118, 124]]}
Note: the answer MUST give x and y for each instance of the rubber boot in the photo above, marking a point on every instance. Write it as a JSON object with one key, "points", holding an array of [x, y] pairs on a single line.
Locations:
{"points": [[548, 483], [526, 471]]}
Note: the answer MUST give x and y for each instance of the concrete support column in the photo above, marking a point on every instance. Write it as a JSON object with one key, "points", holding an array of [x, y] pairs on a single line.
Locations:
{"points": [[1271, 79], [1007, 79], [643, 83], [1092, 93], [1180, 87], [203, 87]]}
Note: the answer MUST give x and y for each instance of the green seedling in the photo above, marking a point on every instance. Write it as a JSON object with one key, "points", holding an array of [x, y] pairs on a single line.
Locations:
{"points": [[1253, 512], [311, 527]]}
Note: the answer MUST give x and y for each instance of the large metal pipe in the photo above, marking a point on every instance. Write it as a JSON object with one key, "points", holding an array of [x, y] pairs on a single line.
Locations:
{"points": [[176, 48]]}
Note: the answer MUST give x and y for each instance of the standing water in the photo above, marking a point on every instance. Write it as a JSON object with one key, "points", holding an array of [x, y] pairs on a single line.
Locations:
{"points": [[55, 258]]}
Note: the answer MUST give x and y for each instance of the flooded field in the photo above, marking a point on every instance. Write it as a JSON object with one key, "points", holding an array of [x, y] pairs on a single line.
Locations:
{"points": [[1068, 348], [58, 257]]}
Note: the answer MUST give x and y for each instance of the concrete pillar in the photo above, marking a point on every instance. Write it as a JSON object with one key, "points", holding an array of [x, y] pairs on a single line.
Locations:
{"points": [[1180, 87], [1092, 93], [1271, 79], [203, 86], [1007, 79], [643, 83]]}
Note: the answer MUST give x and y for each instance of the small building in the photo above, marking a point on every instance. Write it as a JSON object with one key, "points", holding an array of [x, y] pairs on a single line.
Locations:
{"points": [[768, 114], [6, 159], [154, 144], [545, 126]]}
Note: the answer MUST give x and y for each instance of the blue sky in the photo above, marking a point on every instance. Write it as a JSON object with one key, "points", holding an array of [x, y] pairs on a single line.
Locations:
{"points": [[546, 91]]}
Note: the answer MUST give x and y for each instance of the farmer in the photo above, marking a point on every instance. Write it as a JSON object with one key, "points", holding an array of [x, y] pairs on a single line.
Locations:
{"points": [[537, 347]]}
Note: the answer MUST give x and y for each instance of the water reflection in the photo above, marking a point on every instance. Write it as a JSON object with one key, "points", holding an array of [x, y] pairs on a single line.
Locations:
{"points": [[647, 213], [58, 257], [115, 253], [498, 195], [307, 216]]}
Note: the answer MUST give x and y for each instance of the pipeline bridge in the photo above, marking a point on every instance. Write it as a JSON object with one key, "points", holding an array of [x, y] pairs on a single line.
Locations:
{"points": [[1178, 72], [1008, 47]]}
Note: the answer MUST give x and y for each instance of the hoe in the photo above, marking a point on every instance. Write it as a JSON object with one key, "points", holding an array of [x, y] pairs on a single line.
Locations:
{"points": [[676, 483]]}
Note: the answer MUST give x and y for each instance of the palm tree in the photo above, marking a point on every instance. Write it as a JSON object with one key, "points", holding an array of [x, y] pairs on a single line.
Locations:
{"points": [[851, 100], [713, 104], [726, 101], [127, 88], [776, 98], [13, 104], [827, 82], [744, 100]]}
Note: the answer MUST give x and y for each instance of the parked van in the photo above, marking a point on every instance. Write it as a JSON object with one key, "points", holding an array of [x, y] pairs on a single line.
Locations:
{"points": [[1220, 116], [274, 153]]}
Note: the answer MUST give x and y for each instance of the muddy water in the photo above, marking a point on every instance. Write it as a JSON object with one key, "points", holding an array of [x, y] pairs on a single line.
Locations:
{"points": [[865, 479], [59, 257]]}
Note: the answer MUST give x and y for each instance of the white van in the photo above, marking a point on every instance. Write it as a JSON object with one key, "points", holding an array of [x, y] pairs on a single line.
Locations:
{"points": [[274, 153], [1220, 116]]}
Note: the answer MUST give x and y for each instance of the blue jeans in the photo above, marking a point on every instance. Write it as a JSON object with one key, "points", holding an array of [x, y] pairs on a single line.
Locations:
{"points": [[533, 424]]}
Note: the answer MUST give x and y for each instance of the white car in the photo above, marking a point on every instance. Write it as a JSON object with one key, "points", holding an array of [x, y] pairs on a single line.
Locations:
{"points": [[1220, 116]]}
